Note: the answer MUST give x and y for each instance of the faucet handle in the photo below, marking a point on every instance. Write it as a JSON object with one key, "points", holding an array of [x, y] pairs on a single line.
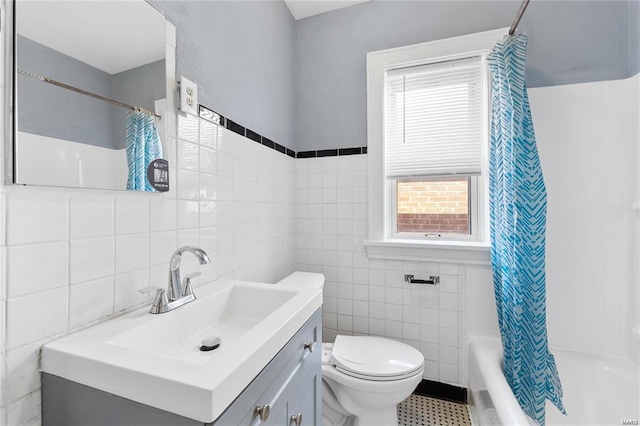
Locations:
{"points": [[149, 289], [186, 283], [160, 300], [160, 293]]}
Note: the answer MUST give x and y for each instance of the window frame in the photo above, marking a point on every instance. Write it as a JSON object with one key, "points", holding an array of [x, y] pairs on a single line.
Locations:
{"points": [[378, 62]]}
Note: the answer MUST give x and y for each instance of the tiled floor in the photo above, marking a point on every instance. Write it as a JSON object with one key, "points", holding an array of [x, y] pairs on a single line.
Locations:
{"points": [[424, 411]]}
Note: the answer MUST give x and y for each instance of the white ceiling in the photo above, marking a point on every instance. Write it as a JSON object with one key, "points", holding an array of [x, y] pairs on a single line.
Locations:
{"points": [[301, 9], [113, 36]]}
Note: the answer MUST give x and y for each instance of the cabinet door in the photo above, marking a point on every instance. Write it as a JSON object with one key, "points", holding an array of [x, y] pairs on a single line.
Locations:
{"points": [[304, 408], [288, 377]]}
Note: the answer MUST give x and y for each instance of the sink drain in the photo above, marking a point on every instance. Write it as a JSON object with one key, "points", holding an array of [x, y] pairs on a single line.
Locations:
{"points": [[210, 344]]}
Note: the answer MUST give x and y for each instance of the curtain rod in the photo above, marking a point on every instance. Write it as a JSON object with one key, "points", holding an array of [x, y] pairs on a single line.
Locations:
{"points": [[518, 17], [84, 92]]}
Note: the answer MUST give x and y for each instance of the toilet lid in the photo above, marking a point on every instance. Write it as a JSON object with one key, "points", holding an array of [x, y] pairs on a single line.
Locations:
{"points": [[375, 358]]}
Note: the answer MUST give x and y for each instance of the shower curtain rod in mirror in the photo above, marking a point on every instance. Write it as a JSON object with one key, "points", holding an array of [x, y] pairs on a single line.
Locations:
{"points": [[84, 92], [518, 17]]}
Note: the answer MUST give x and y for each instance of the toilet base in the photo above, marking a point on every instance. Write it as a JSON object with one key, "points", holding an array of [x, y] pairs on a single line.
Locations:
{"points": [[332, 412], [329, 421], [370, 403]]}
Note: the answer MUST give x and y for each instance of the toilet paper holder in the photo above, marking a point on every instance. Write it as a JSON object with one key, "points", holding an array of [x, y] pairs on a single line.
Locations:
{"points": [[433, 279]]}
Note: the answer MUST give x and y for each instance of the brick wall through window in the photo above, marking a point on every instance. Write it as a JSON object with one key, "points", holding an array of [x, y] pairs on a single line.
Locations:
{"points": [[434, 206]]}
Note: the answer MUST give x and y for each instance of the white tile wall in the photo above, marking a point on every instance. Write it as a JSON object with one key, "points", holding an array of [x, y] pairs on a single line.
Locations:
{"points": [[26, 223], [90, 301], [79, 257], [243, 206], [34, 317], [90, 216], [25, 411], [369, 297], [51, 272], [586, 135], [589, 171], [633, 286]]}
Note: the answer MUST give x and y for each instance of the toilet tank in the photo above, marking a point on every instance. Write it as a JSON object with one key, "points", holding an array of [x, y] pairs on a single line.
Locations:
{"points": [[303, 279]]}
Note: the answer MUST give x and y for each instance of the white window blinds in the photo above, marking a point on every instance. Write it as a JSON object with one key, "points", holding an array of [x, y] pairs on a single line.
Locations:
{"points": [[433, 119]]}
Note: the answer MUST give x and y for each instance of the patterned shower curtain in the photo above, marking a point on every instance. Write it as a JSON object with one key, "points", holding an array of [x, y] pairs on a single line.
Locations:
{"points": [[518, 205], [143, 146]]}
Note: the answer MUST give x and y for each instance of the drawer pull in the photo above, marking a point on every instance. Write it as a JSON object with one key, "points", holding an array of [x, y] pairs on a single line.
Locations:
{"points": [[262, 412], [309, 346], [296, 419]]}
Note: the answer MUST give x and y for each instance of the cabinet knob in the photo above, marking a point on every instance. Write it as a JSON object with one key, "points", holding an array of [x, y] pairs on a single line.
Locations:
{"points": [[296, 419], [262, 412], [309, 346]]}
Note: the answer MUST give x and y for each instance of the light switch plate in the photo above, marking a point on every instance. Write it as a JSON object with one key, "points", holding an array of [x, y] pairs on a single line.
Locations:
{"points": [[188, 96]]}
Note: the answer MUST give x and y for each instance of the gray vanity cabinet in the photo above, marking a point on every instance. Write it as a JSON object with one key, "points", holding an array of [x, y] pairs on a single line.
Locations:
{"points": [[303, 406], [290, 386]]}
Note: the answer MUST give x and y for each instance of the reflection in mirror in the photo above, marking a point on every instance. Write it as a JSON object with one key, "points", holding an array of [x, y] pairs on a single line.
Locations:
{"points": [[90, 94]]}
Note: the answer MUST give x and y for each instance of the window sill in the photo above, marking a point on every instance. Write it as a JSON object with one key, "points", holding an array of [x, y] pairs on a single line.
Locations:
{"points": [[473, 253]]}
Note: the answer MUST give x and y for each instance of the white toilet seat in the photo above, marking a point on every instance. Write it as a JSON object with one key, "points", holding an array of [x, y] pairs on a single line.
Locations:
{"points": [[378, 378], [373, 386], [374, 358]]}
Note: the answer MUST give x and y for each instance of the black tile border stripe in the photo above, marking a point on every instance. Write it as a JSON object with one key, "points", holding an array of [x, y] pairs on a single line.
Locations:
{"points": [[349, 151], [306, 154], [235, 127], [338, 152], [253, 136], [441, 391], [268, 142], [327, 153], [219, 119]]}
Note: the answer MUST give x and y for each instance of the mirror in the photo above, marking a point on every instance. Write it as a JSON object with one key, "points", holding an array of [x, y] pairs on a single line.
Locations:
{"points": [[90, 89]]}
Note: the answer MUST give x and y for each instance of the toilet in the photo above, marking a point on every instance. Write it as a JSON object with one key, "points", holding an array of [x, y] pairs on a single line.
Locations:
{"points": [[364, 378]]}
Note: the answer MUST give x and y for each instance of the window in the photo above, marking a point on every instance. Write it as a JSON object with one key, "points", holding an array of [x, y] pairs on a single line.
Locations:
{"points": [[433, 143], [428, 125]]}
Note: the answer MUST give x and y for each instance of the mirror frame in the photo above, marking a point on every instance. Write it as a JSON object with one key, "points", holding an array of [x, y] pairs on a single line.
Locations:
{"points": [[9, 84]]}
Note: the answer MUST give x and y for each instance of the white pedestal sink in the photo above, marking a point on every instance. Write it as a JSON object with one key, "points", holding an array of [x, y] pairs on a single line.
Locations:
{"points": [[155, 359]]}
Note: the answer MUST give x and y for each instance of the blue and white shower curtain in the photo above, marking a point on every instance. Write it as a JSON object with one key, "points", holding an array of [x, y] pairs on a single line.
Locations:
{"points": [[518, 206], [143, 146]]}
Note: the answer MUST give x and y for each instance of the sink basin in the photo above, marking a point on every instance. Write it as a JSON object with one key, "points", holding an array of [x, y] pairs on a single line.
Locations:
{"points": [[230, 314], [155, 359]]}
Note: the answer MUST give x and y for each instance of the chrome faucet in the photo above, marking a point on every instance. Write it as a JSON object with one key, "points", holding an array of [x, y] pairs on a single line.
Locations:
{"points": [[175, 289], [178, 293]]}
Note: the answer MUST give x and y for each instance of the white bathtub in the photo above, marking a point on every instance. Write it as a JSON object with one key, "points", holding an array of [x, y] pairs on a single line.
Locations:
{"points": [[597, 391]]}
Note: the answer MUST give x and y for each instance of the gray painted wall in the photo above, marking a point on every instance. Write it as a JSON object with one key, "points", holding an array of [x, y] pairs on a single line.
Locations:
{"points": [[52, 111], [241, 55], [569, 42], [140, 86]]}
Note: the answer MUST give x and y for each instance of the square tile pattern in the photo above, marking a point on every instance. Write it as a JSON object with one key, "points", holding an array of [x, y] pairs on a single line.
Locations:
{"points": [[420, 410], [364, 296]]}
